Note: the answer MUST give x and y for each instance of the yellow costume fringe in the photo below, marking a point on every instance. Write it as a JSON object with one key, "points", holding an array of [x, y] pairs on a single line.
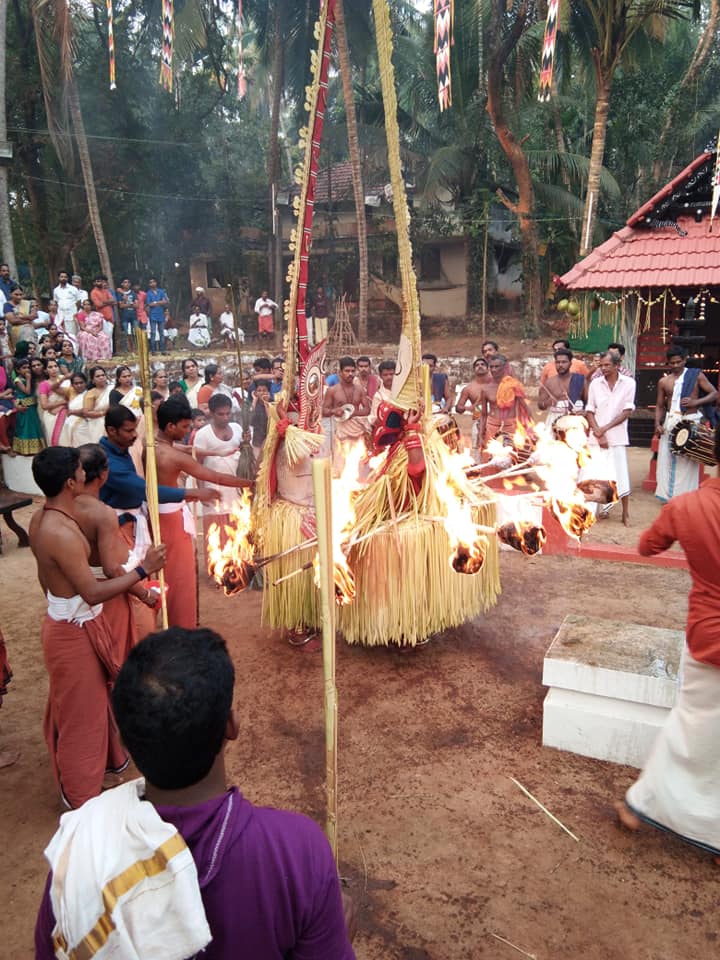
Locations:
{"points": [[295, 603]]}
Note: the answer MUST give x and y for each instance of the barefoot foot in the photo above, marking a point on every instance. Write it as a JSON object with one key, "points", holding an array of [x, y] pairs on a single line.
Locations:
{"points": [[626, 817]]}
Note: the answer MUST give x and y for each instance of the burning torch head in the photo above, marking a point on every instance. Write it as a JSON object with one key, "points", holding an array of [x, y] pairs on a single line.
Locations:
{"points": [[468, 559], [524, 536]]}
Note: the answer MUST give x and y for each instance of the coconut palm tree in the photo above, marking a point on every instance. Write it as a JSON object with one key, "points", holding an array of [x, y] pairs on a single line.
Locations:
{"points": [[6, 236], [607, 29]]}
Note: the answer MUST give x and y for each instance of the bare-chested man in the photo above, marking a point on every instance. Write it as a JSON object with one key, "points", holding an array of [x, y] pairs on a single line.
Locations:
{"points": [[174, 418], [471, 394], [502, 402], [109, 552], [348, 403], [680, 396], [78, 648], [564, 393]]}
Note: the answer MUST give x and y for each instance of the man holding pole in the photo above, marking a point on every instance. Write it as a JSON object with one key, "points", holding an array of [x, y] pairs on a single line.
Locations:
{"points": [[126, 493]]}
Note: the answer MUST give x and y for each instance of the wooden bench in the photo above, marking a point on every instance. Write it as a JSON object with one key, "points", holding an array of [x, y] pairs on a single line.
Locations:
{"points": [[8, 503]]}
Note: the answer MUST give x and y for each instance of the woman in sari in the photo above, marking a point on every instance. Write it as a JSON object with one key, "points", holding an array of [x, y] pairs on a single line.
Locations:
{"points": [[126, 394], [67, 361], [95, 344], [160, 382], [96, 402], [7, 413], [191, 382], [53, 394], [77, 422], [28, 439]]}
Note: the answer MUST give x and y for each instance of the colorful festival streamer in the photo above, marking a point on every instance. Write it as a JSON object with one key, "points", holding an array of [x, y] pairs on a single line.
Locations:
{"points": [[548, 51], [111, 44], [168, 30], [444, 15], [715, 184]]}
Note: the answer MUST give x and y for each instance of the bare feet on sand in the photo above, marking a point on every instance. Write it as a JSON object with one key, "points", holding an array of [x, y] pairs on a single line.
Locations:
{"points": [[8, 757], [626, 817]]}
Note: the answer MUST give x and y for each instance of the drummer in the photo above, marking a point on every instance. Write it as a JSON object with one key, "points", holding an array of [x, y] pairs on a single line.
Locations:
{"points": [[564, 393], [681, 395]]}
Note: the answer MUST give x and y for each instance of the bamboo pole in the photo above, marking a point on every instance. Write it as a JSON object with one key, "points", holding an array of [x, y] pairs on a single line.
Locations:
{"points": [[151, 480], [427, 391], [322, 490]]}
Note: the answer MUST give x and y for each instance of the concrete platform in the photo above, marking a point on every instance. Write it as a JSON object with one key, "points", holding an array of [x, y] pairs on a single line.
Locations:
{"points": [[612, 684]]}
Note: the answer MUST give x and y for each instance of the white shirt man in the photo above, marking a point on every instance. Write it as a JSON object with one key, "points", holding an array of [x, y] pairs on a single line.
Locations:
{"points": [[611, 400], [199, 332], [65, 296], [264, 307], [227, 328], [82, 295]]}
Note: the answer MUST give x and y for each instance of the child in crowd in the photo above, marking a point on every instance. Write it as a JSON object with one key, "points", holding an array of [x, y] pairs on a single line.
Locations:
{"points": [[171, 332], [259, 417]]}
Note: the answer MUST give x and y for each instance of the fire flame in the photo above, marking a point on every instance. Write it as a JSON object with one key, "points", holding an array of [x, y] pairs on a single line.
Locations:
{"points": [[467, 541], [523, 535], [230, 548]]}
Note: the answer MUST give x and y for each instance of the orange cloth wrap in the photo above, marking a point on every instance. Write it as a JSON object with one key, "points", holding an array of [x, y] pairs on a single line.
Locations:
{"points": [[180, 572]]}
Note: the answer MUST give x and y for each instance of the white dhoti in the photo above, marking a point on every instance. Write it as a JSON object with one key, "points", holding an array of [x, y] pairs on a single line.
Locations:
{"points": [[679, 789], [609, 463], [676, 473]]}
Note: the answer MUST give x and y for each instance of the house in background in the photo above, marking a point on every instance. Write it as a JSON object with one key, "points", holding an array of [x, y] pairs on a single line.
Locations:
{"points": [[657, 281]]}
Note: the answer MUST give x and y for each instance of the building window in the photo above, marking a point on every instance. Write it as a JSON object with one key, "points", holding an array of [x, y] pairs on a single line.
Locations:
{"points": [[430, 267]]}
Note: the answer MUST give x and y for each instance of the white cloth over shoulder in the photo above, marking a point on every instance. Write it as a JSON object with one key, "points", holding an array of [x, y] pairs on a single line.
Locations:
{"points": [[124, 882]]}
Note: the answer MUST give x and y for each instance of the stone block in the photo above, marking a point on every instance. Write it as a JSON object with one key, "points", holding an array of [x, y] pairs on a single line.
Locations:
{"points": [[612, 684]]}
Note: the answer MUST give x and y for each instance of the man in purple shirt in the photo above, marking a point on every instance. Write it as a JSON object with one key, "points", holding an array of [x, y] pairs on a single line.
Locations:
{"points": [[267, 877]]}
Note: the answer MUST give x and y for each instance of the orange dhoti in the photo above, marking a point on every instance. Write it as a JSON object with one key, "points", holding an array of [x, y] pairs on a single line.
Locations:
{"points": [[180, 572], [494, 425], [144, 617], [79, 728], [121, 624]]}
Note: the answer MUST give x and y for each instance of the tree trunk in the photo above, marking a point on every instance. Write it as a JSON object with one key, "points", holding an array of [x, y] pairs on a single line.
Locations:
{"points": [[6, 237], [524, 209], [355, 166], [274, 153], [702, 51], [592, 197], [88, 179]]}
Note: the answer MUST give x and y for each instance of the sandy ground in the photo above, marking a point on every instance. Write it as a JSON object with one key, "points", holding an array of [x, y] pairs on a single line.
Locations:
{"points": [[441, 850]]}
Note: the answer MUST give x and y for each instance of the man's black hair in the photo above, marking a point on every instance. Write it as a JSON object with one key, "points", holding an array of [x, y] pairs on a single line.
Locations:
{"points": [[496, 357], [564, 352], [363, 359], [386, 365], [676, 351], [565, 344], [172, 700], [94, 461], [262, 363], [210, 370], [617, 346], [429, 356], [346, 362], [173, 410], [200, 413], [118, 415], [489, 343], [216, 402], [53, 467]]}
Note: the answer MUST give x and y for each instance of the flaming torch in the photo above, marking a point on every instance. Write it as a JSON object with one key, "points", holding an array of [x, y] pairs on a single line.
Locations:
{"points": [[231, 563]]}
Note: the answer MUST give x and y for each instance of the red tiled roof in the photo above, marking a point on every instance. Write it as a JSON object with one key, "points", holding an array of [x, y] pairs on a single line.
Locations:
{"points": [[643, 255], [651, 257], [341, 184]]}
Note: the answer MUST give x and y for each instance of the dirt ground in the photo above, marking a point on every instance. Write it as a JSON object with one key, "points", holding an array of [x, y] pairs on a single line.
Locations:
{"points": [[442, 852]]}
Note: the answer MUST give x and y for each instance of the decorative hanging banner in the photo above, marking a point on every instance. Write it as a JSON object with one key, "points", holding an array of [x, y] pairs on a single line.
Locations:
{"points": [[111, 44], [242, 77], [548, 51], [715, 184], [444, 15], [168, 29]]}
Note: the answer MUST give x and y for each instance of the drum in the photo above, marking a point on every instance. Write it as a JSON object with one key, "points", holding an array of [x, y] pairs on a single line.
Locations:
{"points": [[446, 426], [690, 438]]}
